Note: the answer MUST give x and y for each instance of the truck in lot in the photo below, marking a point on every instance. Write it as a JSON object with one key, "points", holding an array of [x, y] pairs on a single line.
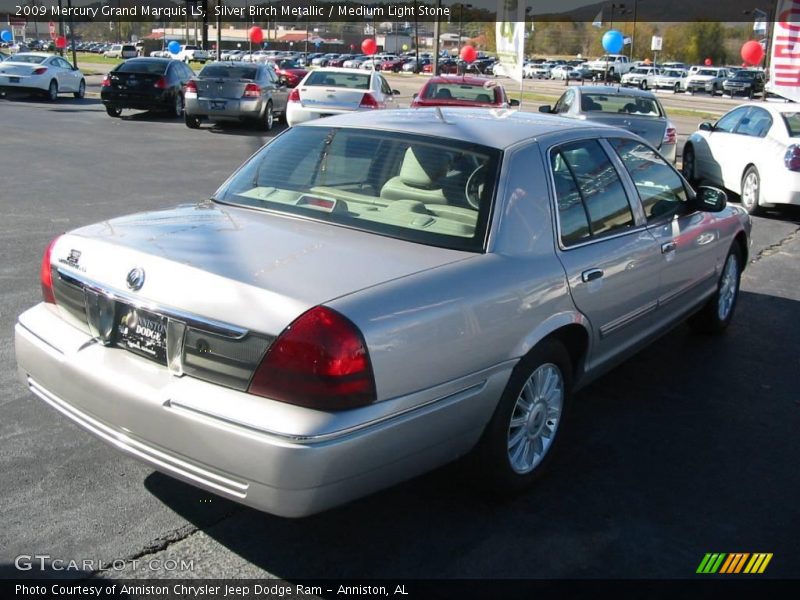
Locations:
{"points": [[189, 53], [641, 77], [615, 65]]}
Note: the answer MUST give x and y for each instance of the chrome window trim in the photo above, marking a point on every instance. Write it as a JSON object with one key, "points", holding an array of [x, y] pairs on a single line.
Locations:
{"points": [[190, 319]]}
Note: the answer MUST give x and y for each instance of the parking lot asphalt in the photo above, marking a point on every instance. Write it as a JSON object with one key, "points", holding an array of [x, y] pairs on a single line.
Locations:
{"points": [[689, 447]]}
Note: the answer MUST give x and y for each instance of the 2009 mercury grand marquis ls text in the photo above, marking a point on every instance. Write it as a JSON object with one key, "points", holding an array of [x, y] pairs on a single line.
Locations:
{"points": [[373, 295]]}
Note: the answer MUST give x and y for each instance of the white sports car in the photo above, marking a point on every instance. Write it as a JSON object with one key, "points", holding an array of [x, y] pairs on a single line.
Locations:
{"points": [[39, 72]]}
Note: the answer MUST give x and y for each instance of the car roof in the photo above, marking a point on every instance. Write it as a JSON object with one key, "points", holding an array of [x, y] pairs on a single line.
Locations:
{"points": [[467, 79], [341, 70], [495, 128], [778, 108], [615, 90]]}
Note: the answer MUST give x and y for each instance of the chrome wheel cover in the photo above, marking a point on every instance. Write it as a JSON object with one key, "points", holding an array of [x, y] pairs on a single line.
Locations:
{"points": [[535, 418], [270, 116], [750, 190], [728, 287]]}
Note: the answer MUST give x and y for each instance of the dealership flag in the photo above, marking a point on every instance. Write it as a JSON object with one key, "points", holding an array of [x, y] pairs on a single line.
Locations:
{"points": [[784, 70], [511, 36], [598, 20]]}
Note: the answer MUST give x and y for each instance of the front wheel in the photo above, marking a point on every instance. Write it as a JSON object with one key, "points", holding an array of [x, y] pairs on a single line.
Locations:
{"points": [[717, 314], [81, 90], [643, 84], [751, 191], [519, 441]]}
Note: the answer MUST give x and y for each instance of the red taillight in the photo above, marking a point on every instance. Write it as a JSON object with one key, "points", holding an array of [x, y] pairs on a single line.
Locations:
{"points": [[368, 101], [191, 89], [106, 81], [40, 71], [294, 95], [670, 135], [792, 158], [319, 361], [252, 90], [161, 83], [46, 274]]}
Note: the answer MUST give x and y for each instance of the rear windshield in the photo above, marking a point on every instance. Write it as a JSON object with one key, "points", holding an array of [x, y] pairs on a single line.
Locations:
{"points": [[129, 48], [792, 121], [236, 72], [461, 91], [423, 189], [28, 58], [154, 67], [355, 81], [619, 103]]}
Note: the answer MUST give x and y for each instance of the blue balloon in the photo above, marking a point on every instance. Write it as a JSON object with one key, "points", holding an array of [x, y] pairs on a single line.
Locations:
{"points": [[174, 47], [613, 41], [6, 35]]}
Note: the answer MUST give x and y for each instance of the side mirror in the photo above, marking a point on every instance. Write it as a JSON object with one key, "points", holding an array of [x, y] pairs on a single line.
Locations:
{"points": [[706, 126], [414, 96], [546, 109], [513, 102], [711, 199]]}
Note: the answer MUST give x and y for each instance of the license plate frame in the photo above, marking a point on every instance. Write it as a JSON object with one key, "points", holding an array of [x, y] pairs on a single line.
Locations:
{"points": [[142, 332], [217, 105], [14, 80]]}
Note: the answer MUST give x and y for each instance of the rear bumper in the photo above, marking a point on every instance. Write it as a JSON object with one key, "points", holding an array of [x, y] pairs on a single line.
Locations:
{"points": [[231, 108], [160, 101], [297, 113], [187, 428]]}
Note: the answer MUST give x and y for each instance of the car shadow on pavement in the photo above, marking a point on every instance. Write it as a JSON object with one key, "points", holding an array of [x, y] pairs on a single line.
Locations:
{"points": [[667, 457], [242, 129]]}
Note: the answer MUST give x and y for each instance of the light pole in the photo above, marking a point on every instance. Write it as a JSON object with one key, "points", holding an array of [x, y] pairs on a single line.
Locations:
{"points": [[770, 22], [461, 21]]}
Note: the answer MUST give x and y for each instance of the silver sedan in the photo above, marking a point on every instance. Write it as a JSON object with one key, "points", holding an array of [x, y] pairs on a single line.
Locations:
{"points": [[373, 295]]}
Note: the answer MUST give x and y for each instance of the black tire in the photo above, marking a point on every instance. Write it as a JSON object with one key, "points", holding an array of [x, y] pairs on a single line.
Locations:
{"points": [[751, 190], [677, 88], [717, 314], [177, 107], [52, 91], [643, 84], [192, 121], [751, 94], [268, 120], [81, 93], [494, 453], [113, 111], [689, 167]]}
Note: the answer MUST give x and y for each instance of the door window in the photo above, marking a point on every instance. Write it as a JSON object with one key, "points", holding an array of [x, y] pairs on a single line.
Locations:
{"points": [[729, 122], [660, 187]]}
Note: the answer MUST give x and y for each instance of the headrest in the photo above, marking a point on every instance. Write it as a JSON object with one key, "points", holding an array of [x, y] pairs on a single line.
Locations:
{"points": [[423, 165]]}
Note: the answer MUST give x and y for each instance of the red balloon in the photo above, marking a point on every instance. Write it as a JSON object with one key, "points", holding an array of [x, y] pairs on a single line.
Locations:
{"points": [[752, 52], [708, 62], [61, 42], [255, 34], [368, 46], [468, 54]]}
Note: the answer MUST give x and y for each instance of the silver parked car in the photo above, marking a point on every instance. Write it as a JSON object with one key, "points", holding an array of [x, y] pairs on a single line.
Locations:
{"points": [[373, 295], [637, 111], [236, 91]]}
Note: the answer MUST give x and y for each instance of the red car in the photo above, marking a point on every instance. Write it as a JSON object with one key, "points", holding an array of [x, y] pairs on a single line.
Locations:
{"points": [[462, 91], [293, 72], [394, 65], [445, 66]]}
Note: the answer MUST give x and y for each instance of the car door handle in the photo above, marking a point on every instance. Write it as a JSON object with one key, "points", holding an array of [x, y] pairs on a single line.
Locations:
{"points": [[668, 247], [591, 275]]}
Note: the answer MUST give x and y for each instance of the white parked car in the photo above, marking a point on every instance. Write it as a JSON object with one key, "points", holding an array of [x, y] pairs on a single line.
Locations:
{"points": [[39, 72], [121, 51], [707, 79], [331, 91], [671, 79], [190, 53], [753, 150], [641, 77]]}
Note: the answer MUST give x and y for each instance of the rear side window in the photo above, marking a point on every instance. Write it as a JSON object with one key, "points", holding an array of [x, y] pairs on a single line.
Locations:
{"points": [[355, 81], [591, 199]]}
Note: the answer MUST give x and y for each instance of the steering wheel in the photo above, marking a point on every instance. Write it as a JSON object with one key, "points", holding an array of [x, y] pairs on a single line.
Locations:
{"points": [[474, 188]]}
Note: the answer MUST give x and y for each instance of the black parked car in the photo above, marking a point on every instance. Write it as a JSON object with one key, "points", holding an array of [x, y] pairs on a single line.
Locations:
{"points": [[746, 82], [146, 84]]}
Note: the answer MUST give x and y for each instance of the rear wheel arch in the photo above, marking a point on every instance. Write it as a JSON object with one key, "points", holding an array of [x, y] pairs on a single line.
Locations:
{"points": [[575, 339]]}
